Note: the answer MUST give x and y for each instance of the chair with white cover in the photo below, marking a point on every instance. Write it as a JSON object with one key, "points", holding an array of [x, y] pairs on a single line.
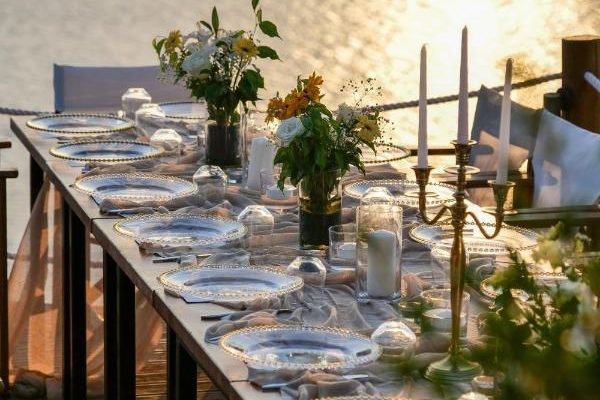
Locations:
{"points": [[95, 89]]}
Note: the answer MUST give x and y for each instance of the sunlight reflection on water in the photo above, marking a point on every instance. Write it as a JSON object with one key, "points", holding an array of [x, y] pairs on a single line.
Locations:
{"points": [[341, 39]]}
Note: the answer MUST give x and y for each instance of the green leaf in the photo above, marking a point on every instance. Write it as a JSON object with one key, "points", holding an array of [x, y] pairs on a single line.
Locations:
{"points": [[254, 4], [215, 19], [158, 45], [259, 15], [268, 28], [214, 90], [206, 24], [267, 52]]}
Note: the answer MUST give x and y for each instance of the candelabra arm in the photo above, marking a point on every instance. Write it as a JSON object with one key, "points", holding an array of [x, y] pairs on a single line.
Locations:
{"points": [[497, 227], [427, 220], [422, 177], [500, 195]]}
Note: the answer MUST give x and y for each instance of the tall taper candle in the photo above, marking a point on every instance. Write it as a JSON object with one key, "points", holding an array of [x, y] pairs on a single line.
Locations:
{"points": [[502, 173], [422, 153], [463, 92]]}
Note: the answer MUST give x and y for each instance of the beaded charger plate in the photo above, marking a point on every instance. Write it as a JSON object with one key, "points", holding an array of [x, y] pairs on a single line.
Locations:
{"points": [[107, 151], [181, 229], [184, 110], [80, 124], [386, 153], [300, 347], [230, 282], [510, 237], [405, 192], [135, 186]]}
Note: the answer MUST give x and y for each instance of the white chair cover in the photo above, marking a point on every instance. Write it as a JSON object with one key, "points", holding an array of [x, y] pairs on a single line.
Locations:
{"points": [[566, 164], [78, 88], [486, 130]]}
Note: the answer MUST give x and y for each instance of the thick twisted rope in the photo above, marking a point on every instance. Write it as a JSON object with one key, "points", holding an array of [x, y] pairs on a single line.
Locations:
{"points": [[383, 107], [473, 93]]}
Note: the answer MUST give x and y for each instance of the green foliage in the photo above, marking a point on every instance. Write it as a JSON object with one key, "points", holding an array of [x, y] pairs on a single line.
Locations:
{"points": [[268, 28], [217, 64], [547, 346]]}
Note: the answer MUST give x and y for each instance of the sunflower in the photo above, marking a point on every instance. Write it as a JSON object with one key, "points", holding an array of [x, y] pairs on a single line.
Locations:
{"points": [[173, 41], [369, 129], [245, 47]]}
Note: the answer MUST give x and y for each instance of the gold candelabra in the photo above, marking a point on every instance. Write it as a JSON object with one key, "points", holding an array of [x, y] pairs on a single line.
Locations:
{"points": [[455, 367]]}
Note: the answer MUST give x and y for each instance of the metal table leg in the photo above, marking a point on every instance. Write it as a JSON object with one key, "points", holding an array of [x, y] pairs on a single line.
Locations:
{"points": [[119, 332], [181, 370], [36, 180], [74, 303]]}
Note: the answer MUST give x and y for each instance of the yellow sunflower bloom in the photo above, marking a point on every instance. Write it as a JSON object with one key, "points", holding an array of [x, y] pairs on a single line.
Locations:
{"points": [[173, 41], [245, 47], [369, 129]]}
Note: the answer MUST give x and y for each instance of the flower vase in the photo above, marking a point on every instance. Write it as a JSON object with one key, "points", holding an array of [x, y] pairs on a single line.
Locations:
{"points": [[223, 145], [320, 207]]}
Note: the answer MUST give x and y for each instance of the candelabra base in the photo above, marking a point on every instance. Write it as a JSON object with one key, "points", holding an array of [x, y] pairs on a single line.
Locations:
{"points": [[452, 369]]}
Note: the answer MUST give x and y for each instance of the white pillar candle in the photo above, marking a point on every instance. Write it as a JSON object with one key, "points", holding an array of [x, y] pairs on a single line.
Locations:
{"points": [[422, 150], [463, 92], [262, 153], [381, 272], [502, 171]]}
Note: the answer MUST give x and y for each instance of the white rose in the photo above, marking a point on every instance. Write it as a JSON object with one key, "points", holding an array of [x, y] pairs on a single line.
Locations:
{"points": [[289, 128], [345, 113], [198, 61]]}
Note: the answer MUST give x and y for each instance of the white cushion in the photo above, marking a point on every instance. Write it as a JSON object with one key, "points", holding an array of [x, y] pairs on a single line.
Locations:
{"points": [[566, 164]]}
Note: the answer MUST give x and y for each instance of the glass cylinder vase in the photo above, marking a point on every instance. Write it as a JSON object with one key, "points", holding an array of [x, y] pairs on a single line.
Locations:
{"points": [[224, 144], [378, 251], [319, 207]]}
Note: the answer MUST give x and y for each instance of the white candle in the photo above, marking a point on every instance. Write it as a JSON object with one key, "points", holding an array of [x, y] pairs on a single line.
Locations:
{"points": [[262, 153], [502, 171], [422, 150], [381, 272], [463, 92]]}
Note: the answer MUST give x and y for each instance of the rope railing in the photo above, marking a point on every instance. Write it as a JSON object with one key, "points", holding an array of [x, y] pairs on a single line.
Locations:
{"points": [[473, 93], [382, 107]]}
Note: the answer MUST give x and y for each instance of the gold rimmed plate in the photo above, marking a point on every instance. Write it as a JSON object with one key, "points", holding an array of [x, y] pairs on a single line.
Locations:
{"points": [[187, 110], [230, 282], [80, 125], [135, 186], [386, 153], [106, 151], [181, 229], [406, 192], [509, 238], [300, 347]]}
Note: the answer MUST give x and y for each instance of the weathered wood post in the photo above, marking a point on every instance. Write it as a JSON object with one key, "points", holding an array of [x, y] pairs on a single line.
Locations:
{"points": [[581, 102]]}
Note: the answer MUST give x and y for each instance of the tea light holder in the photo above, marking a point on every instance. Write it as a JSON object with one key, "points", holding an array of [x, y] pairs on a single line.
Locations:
{"points": [[132, 99]]}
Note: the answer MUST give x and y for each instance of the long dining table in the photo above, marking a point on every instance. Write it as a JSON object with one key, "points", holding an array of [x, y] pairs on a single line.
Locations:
{"points": [[125, 268]]}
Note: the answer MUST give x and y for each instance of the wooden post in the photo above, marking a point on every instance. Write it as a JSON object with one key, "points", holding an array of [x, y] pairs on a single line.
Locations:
{"points": [[582, 106]]}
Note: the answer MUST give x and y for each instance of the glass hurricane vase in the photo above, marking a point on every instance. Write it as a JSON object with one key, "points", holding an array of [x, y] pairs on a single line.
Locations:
{"points": [[320, 206]]}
